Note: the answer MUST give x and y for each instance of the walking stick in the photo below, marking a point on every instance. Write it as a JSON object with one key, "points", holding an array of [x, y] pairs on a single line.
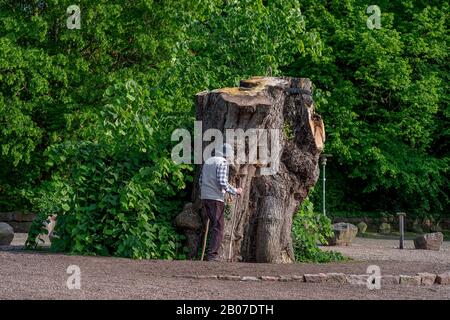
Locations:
{"points": [[233, 219], [204, 239]]}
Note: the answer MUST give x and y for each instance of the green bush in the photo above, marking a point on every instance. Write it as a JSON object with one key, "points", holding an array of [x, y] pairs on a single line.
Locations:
{"points": [[308, 229], [114, 194], [77, 142], [383, 95]]}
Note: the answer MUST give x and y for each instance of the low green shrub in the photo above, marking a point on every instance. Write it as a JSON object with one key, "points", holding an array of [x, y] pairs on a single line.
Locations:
{"points": [[117, 191], [310, 228]]}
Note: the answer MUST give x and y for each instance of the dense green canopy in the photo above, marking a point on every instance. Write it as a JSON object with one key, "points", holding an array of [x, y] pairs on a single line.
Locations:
{"points": [[86, 114], [384, 96]]}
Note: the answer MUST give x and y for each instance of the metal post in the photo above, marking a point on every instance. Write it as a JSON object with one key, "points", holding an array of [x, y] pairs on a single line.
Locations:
{"points": [[401, 224], [323, 158]]}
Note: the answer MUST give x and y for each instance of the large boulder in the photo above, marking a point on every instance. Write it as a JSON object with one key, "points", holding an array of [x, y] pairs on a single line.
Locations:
{"points": [[188, 218], [190, 222], [344, 233], [429, 241], [6, 234]]}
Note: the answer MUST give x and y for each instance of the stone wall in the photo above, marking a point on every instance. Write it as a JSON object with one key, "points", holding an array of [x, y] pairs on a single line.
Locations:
{"points": [[20, 221], [374, 223]]}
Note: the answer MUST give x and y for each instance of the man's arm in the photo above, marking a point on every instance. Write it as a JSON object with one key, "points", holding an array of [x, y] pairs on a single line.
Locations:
{"points": [[222, 178]]}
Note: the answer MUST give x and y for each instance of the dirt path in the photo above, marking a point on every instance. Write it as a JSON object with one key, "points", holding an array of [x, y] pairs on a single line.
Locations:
{"points": [[381, 249], [31, 275], [37, 275]]}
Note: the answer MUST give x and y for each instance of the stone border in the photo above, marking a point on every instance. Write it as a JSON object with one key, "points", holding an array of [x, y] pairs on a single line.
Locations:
{"points": [[12, 248], [420, 279]]}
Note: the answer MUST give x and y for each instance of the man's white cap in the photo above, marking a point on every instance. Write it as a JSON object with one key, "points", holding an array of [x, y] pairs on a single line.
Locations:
{"points": [[226, 151]]}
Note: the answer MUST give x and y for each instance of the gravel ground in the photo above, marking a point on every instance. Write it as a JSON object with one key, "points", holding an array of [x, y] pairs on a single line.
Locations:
{"points": [[34, 275], [380, 249]]}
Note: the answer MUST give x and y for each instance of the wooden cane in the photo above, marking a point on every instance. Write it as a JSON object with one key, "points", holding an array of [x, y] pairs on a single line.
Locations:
{"points": [[204, 239], [233, 219]]}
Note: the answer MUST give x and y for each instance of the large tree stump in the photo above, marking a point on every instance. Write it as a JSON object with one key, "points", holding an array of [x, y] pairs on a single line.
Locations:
{"points": [[263, 217]]}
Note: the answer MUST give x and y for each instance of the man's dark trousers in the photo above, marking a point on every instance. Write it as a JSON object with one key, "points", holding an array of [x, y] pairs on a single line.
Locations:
{"points": [[214, 210]]}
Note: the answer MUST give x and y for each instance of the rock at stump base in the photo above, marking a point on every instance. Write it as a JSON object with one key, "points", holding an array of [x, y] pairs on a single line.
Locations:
{"points": [[188, 219], [344, 233], [429, 241], [6, 234]]}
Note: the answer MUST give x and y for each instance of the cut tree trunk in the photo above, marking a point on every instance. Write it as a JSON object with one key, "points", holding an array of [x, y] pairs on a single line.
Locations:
{"points": [[263, 218]]}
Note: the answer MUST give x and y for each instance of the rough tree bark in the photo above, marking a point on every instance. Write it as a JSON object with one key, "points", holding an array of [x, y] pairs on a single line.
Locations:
{"points": [[263, 217]]}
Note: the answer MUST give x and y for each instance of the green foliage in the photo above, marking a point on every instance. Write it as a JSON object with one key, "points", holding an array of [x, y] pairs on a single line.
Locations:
{"points": [[114, 194], [52, 79], [310, 228], [83, 141]]}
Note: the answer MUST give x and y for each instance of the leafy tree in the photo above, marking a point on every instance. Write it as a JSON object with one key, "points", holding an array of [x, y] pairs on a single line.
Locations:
{"points": [[116, 193], [53, 78], [86, 114], [383, 94], [98, 105]]}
